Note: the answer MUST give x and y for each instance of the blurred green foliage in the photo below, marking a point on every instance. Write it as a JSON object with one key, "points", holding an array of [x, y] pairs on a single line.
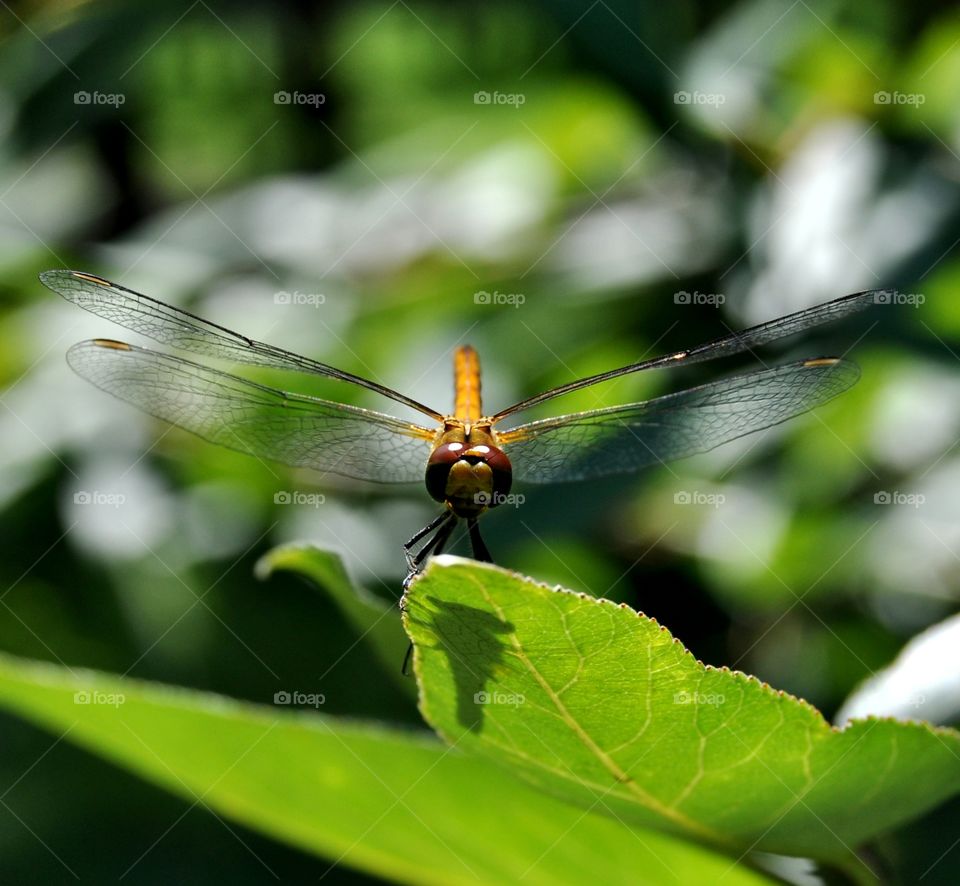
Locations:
{"points": [[775, 155]]}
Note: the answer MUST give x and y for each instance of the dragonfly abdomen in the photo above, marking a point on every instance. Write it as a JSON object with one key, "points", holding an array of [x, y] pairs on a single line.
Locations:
{"points": [[466, 384]]}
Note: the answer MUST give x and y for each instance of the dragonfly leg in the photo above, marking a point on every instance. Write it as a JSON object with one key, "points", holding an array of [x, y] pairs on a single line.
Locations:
{"points": [[443, 526], [414, 559], [433, 524], [480, 551], [437, 543]]}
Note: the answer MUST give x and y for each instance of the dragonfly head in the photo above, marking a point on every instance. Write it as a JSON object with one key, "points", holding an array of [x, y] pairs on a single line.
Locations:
{"points": [[469, 477]]}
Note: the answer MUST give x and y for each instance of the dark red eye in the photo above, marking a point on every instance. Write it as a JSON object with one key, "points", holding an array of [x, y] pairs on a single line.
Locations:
{"points": [[500, 466], [438, 468], [448, 454]]}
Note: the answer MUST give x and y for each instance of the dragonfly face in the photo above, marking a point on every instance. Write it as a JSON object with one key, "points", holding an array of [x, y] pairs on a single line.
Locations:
{"points": [[466, 459], [467, 471]]}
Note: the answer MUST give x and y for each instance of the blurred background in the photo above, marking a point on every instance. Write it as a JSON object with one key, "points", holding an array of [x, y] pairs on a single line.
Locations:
{"points": [[568, 187]]}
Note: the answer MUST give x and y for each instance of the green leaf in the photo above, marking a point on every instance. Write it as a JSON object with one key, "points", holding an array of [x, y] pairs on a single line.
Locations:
{"points": [[601, 706], [391, 802], [377, 622]]}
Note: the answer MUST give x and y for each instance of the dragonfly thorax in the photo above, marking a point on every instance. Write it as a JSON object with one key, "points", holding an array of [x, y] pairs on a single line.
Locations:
{"points": [[467, 471]]}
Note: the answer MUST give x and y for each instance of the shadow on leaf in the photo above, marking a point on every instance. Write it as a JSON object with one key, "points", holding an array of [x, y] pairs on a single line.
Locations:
{"points": [[471, 639]]}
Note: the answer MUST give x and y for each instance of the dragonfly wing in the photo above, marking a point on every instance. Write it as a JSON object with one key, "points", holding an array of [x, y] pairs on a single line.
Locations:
{"points": [[262, 421], [187, 332], [622, 439], [726, 346]]}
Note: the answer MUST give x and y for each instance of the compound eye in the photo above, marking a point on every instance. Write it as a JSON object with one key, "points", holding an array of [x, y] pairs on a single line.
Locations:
{"points": [[502, 471], [438, 468]]}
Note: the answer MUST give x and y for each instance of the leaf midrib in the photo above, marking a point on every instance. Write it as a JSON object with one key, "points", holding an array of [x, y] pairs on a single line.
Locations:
{"points": [[619, 774]]}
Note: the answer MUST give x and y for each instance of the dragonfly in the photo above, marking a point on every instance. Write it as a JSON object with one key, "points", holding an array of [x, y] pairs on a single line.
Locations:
{"points": [[466, 458]]}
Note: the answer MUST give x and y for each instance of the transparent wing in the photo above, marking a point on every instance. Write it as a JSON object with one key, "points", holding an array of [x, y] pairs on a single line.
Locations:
{"points": [[622, 439], [181, 329], [726, 346], [243, 415]]}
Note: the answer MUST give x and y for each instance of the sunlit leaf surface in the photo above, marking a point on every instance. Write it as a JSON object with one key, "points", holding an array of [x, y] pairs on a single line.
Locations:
{"points": [[600, 705], [391, 802]]}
